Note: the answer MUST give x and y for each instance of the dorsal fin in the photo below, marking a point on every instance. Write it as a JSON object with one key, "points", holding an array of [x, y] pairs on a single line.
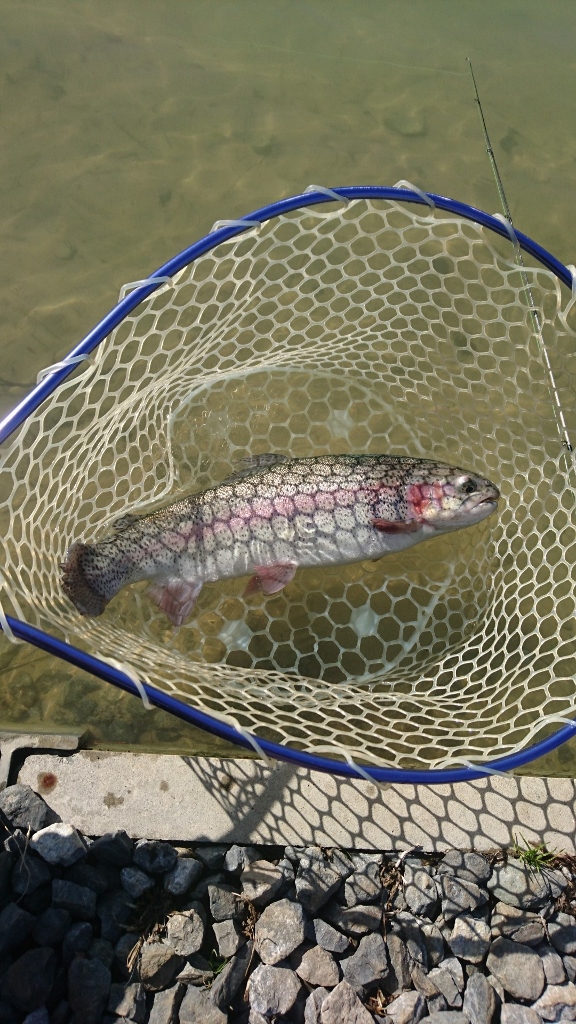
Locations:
{"points": [[254, 464], [124, 522]]}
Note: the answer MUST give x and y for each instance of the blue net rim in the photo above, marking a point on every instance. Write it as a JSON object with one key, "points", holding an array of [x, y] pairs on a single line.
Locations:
{"points": [[200, 719]]}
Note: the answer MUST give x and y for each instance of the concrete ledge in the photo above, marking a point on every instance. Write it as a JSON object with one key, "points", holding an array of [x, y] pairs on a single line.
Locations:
{"points": [[243, 801]]}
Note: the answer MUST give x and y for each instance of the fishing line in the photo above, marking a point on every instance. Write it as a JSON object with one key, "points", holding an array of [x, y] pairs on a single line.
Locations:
{"points": [[561, 422]]}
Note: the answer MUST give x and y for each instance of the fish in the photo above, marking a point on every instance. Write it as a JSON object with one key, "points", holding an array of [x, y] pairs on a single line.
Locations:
{"points": [[274, 515]]}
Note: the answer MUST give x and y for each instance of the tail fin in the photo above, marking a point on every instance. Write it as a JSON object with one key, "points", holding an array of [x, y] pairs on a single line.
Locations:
{"points": [[75, 584]]}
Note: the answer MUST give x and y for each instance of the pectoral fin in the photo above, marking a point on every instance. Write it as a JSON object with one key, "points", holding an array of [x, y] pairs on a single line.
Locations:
{"points": [[271, 578], [176, 598], [387, 526]]}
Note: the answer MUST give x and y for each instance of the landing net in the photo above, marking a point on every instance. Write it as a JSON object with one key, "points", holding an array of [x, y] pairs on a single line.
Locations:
{"points": [[369, 326]]}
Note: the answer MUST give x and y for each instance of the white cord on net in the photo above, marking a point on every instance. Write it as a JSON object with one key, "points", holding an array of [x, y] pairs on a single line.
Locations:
{"points": [[414, 188], [235, 224], [509, 228], [327, 192], [563, 314], [359, 769], [230, 720], [131, 285], [122, 666], [482, 768], [62, 365]]}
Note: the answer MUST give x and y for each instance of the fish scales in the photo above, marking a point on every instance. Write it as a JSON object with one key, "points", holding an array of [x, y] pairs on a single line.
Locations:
{"points": [[275, 516]]}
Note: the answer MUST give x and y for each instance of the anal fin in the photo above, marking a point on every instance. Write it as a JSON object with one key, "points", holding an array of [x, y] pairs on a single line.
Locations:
{"points": [[176, 598], [395, 526], [271, 578]]}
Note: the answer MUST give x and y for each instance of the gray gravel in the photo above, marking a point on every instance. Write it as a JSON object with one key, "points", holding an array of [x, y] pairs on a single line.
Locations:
{"points": [[117, 931]]}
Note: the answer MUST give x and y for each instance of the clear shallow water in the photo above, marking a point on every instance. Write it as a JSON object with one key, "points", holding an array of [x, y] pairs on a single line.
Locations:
{"points": [[129, 128]]}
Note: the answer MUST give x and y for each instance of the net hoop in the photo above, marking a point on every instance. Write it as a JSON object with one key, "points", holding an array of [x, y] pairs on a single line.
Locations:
{"points": [[51, 380]]}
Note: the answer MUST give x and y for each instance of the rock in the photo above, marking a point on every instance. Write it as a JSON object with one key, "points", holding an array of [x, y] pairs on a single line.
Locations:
{"points": [[115, 910], [196, 971], [470, 938], [61, 1015], [39, 1016], [512, 1013], [553, 965], [28, 874], [113, 848], [158, 965], [185, 932], [411, 932], [38, 901], [423, 985], [398, 976], [471, 866], [51, 927], [444, 983], [518, 968], [88, 987], [198, 1008], [368, 964], [77, 940], [496, 985], [154, 856], [99, 877], [78, 900], [342, 1004], [273, 990], [459, 895], [433, 944], [354, 921], [407, 1008], [570, 967], [279, 931], [520, 886], [454, 967], [128, 1001], [212, 855], [224, 903], [328, 937], [25, 809], [319, 876], [183, 875], [6, 864], [15, 925], [228, 982], [28, 982], [59, 844], [316, 967], [557, 1002], [479, 1003], [314, 1005], [420, 889], [517, 924], [261, 881], [238, 858], [364, 884], [201, 890], [229, 937], [135, 882], [445, 1017], [166, 1005], [562, 932]]}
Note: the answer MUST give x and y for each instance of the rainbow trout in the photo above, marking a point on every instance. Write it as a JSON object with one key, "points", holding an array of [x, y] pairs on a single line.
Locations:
{"points": [[273, 516]]}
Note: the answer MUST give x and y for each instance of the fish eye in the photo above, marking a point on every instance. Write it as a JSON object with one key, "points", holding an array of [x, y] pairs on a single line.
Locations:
{"points": [[467, 486]]}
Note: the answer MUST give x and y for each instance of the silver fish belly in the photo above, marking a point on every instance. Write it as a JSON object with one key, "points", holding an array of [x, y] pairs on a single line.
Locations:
{"points": [[272, 517]]}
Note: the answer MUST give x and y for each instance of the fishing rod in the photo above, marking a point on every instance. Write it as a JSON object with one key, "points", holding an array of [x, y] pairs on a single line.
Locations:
{"points": [[561, 422]]}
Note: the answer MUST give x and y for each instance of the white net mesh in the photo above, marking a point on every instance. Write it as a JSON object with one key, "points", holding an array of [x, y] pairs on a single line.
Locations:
{"points": [[367, 329]]}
